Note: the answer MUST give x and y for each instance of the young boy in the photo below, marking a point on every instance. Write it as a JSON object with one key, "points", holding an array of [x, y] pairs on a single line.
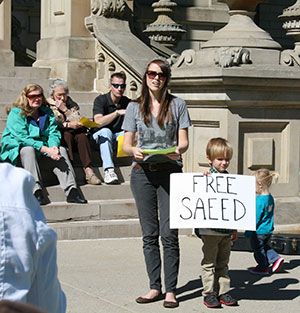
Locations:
{"points": [[217, 242]]}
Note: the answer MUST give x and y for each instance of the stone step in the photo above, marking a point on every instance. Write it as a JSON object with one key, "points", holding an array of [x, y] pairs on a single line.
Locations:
{"points": [[102, 229], [83, 97], [86, 109], [122, 169], [3, 106], [10, 88], [90, 192], [94, 210], [123, 172], [25, 72], [97, 229], [2, 124]]}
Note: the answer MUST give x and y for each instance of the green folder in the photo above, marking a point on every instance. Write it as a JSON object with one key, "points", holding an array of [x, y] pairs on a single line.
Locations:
{"points": [[159, 151]]}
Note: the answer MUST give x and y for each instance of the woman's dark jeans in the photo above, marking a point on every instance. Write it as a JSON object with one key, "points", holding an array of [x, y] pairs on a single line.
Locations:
{"points": [[151, 191]]}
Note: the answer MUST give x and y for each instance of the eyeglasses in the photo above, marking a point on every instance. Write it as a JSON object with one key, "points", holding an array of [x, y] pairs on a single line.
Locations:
{"points": [[153, 74], [119, 85], [33, 97], [60, 95]]}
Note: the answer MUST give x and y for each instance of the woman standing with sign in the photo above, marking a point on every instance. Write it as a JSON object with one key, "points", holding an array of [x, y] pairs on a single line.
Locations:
{"points": [[161, 123]]}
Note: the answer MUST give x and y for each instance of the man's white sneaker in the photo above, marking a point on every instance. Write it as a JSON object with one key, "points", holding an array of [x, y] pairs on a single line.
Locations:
{"points": [[110, 177]]}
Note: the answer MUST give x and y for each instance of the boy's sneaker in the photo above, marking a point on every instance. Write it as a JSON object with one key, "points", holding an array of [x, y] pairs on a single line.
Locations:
{"points": [[110, 177], [211, 301], [259, 271], [228, 300], [277, 265]]}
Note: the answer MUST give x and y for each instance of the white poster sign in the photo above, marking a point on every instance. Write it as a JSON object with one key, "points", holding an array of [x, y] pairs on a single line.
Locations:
{"points": [[212, 201]]}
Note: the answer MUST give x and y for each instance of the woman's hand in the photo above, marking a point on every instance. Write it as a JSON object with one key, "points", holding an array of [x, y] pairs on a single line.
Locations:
{"points": [[61, 105], [173, 156], [137, 153], [51, 152], [74, 125]]}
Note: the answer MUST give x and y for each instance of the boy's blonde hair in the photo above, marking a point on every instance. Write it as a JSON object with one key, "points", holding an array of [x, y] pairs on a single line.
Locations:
{"points": [[219, 147], [264, 177]]}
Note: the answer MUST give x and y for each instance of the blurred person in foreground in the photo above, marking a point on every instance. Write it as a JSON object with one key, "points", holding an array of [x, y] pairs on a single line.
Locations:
{"points": [[7, 306], [28, 268]]}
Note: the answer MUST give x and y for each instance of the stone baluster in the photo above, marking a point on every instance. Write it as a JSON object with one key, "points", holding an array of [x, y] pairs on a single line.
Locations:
{"points": [[164, 30], [6, 54], [291, 23]]}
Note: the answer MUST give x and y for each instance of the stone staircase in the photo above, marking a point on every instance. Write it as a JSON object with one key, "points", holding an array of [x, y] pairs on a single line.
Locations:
{"points": [[110, 211]]}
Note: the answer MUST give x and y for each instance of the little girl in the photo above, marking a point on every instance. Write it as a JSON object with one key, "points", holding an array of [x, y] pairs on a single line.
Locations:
{"points": [[263, 253]]}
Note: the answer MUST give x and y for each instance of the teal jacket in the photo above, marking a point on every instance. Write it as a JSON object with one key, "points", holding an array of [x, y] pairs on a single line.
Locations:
{"points": [[23, 131]]}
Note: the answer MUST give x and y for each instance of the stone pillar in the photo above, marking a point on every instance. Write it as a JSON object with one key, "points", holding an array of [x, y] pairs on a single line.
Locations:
{"points": [[6, 54], [66, 46]]}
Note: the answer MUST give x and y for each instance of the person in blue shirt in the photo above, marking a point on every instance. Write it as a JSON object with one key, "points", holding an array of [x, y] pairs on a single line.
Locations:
{"points": [[28, 267], [263, 253]]}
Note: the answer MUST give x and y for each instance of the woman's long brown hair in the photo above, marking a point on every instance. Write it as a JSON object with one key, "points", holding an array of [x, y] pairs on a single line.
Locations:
{"points": [[165, 112]]}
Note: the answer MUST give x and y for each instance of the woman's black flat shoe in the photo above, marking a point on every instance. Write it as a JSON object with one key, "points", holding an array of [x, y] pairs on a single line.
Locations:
{"points": [[40, 197], [171, 304], [142, 300]]}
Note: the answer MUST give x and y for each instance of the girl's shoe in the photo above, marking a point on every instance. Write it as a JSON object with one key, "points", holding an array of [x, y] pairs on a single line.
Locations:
{"points": [[277, 265], [259, 271], [93, 179]]}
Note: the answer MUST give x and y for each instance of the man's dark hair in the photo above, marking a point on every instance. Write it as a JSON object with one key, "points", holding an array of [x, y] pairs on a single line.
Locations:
{"points": [[120, 75]]}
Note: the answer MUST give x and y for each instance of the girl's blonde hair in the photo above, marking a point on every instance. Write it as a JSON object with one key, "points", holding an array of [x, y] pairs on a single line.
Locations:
{"points": [[264, 177], [22, 101]]}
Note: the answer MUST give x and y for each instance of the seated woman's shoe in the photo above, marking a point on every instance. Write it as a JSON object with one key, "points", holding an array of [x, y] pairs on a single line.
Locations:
{"points": [[75, 197], [93, 179], [40, 197]]}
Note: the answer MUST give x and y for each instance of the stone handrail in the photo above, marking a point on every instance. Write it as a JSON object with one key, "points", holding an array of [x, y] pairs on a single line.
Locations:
{"points": [[118, 49]]}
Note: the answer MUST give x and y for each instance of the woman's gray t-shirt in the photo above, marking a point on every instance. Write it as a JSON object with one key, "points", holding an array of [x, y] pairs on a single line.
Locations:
{"points": [[152, 136]]}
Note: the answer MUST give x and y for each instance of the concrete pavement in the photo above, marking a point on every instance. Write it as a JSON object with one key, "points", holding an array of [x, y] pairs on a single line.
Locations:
{"points": [[107, 275]]}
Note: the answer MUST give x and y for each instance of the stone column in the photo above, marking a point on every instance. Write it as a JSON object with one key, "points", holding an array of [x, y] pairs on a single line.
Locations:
{"points": [[6, 54], [66, 46]]}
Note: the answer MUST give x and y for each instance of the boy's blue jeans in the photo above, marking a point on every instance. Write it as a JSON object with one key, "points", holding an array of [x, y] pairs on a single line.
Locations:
{"points": [[263, 253]]}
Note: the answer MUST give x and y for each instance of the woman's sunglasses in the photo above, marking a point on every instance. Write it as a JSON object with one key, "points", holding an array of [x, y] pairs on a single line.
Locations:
{"points": [[33, 97], [153, 74]]}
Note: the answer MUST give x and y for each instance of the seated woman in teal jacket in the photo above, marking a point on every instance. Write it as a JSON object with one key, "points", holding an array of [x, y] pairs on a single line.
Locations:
{"points": [[31, 133]]}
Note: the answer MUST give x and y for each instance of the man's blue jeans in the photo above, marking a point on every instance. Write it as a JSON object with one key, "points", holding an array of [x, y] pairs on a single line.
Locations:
{"points": [[263, 253], [151, 191], [107, 141]]}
